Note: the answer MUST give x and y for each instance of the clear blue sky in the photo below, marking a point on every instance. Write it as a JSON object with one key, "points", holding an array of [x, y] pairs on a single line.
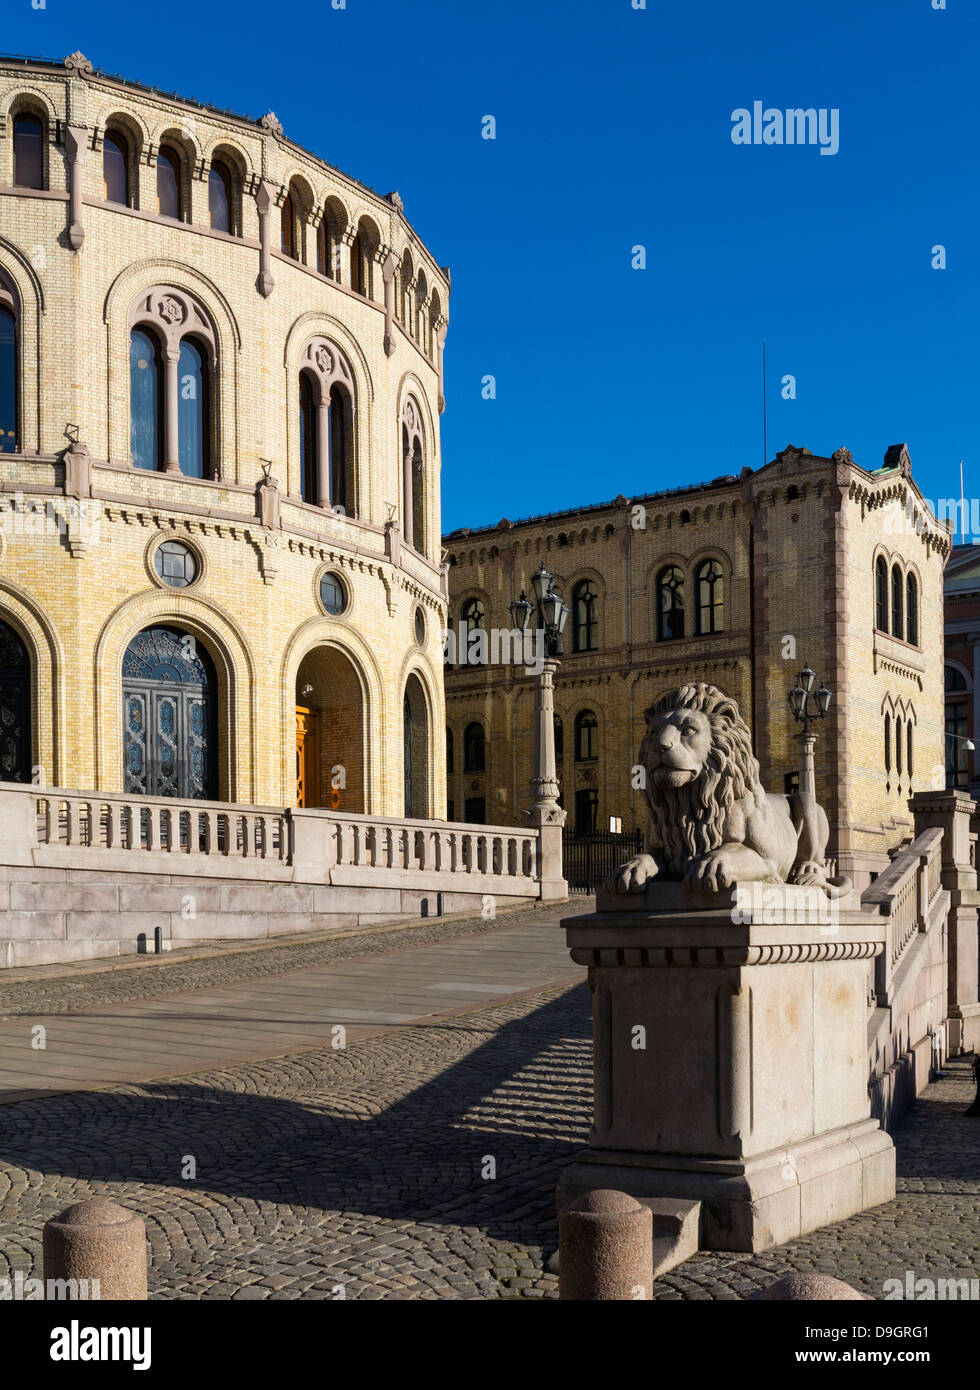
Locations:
{"points": [[614, 129]]}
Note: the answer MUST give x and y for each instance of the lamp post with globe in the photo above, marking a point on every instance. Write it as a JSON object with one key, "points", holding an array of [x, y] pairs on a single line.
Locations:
{"points": [[551, 614]]}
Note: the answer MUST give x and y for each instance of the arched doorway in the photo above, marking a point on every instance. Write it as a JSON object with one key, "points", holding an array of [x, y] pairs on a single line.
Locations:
{"points": [[416, 755], [169, 708], [330, 770], [15, 708]]}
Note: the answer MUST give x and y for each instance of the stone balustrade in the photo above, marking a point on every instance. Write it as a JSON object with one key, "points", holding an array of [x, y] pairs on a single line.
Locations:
{"points": [[908, 894]]}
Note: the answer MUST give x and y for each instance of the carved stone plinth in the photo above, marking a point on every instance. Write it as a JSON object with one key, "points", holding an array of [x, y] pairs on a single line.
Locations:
{"points": [[731, 1063]]}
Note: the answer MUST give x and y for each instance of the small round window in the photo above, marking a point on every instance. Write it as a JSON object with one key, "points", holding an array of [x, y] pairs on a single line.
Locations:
{"points": [[333, 596], [419, 627], [176, 564]]}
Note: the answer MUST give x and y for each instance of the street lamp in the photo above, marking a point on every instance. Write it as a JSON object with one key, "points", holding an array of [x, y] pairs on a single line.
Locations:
{"points": [[551, 612], [808, 705]]}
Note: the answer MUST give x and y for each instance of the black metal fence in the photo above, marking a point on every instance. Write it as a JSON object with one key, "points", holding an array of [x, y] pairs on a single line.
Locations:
{"points": [[590, 859]]}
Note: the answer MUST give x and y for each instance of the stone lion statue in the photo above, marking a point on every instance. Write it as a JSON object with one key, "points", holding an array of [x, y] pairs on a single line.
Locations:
{"points": [[711, 823]]}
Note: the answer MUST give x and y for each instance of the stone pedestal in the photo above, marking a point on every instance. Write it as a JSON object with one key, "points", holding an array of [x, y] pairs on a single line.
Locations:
{"points": [[731, 1060]]}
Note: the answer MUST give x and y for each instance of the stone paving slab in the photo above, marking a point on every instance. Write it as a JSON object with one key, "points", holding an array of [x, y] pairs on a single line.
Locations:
{"points": [[164, 1036], [366, 1172]]}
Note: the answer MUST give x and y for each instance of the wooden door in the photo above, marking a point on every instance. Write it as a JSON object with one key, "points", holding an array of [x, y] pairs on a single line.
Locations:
{"points": [[307, 756]]}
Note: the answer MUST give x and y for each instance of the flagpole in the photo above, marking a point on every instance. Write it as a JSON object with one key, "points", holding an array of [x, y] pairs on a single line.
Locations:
{"points": [[962, 508]]}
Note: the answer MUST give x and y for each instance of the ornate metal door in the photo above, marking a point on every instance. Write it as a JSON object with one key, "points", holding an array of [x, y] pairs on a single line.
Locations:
{"points": [[15, 708], [168, 714]]}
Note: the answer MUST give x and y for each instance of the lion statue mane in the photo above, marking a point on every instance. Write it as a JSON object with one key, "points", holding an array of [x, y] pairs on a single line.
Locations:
{"points": [[711, 822]]}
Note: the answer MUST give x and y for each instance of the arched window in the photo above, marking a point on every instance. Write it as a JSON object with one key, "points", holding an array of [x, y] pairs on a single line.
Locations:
{"points": [[168, 182], [413, 477], [586, 736], [898, 607], [450, 760], [473, 614], [193, 428], [559, 740], [28, 152], [709, 585], [323, 247], [908, 748], [290, 244], [881, 594], [145, 399], [898, 746], [308, 438], [670, 604], [358, 268], [8, 375], [340, 429], [115, 169], [585, 617], [474, 748], [955, 680], [888, 743], [220, 197], [912, 610], [15, 708]]}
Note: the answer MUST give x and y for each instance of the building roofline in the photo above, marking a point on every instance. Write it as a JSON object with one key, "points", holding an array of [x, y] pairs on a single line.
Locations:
{"points": [[57, 65]]}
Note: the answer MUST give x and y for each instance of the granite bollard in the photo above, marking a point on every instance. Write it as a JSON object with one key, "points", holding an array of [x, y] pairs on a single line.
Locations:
{"points": [[98, 1240], [605, 1244]]}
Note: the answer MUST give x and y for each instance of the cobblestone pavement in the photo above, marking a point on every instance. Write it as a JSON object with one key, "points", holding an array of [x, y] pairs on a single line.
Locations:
{"points": [[133, 978], [368, 1172]]}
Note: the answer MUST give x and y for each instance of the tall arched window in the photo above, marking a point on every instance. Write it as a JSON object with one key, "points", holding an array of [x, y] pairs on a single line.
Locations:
{"points": [[358, 276], [586, 736], [881, 594], [168, 183], [450, 760], [28, 152], [898, 606], [308, 438], [115, 169], [585, 617], [220, 197], [559, 741], [145, 399], [474, 748], [912, 611], [670, 604], [888, 743], [898, 746], [340, 431], [8, 375], [193, 426], [908, 747], [413, 477], [15, 707], [289, 238], [709, 584]]}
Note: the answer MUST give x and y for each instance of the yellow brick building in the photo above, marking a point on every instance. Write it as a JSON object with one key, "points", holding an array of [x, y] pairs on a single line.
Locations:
{"points": [[220, 388], [737, 582]]}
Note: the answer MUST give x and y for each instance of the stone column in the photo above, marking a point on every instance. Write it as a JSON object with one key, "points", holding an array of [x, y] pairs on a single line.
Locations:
{"points": [[265, 200], [441, 333], [171, 409], [323, 449], [955, 813], [545, 813], [75, 136], [344, 244], [388, 271]]}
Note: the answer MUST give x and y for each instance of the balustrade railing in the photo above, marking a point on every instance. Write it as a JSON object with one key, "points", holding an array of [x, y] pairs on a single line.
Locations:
{"points": [[202, 830], [905, 893]]}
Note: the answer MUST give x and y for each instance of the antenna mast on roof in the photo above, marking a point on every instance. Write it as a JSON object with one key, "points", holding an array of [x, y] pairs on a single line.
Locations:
{"points": [[765, 447]]}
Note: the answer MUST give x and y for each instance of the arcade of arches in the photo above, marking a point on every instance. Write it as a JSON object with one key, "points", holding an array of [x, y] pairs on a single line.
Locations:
{"points": [[172, 742]]}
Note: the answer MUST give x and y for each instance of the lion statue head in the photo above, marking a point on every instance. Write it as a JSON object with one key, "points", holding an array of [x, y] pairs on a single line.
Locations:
{"points": [[698, 760]]}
